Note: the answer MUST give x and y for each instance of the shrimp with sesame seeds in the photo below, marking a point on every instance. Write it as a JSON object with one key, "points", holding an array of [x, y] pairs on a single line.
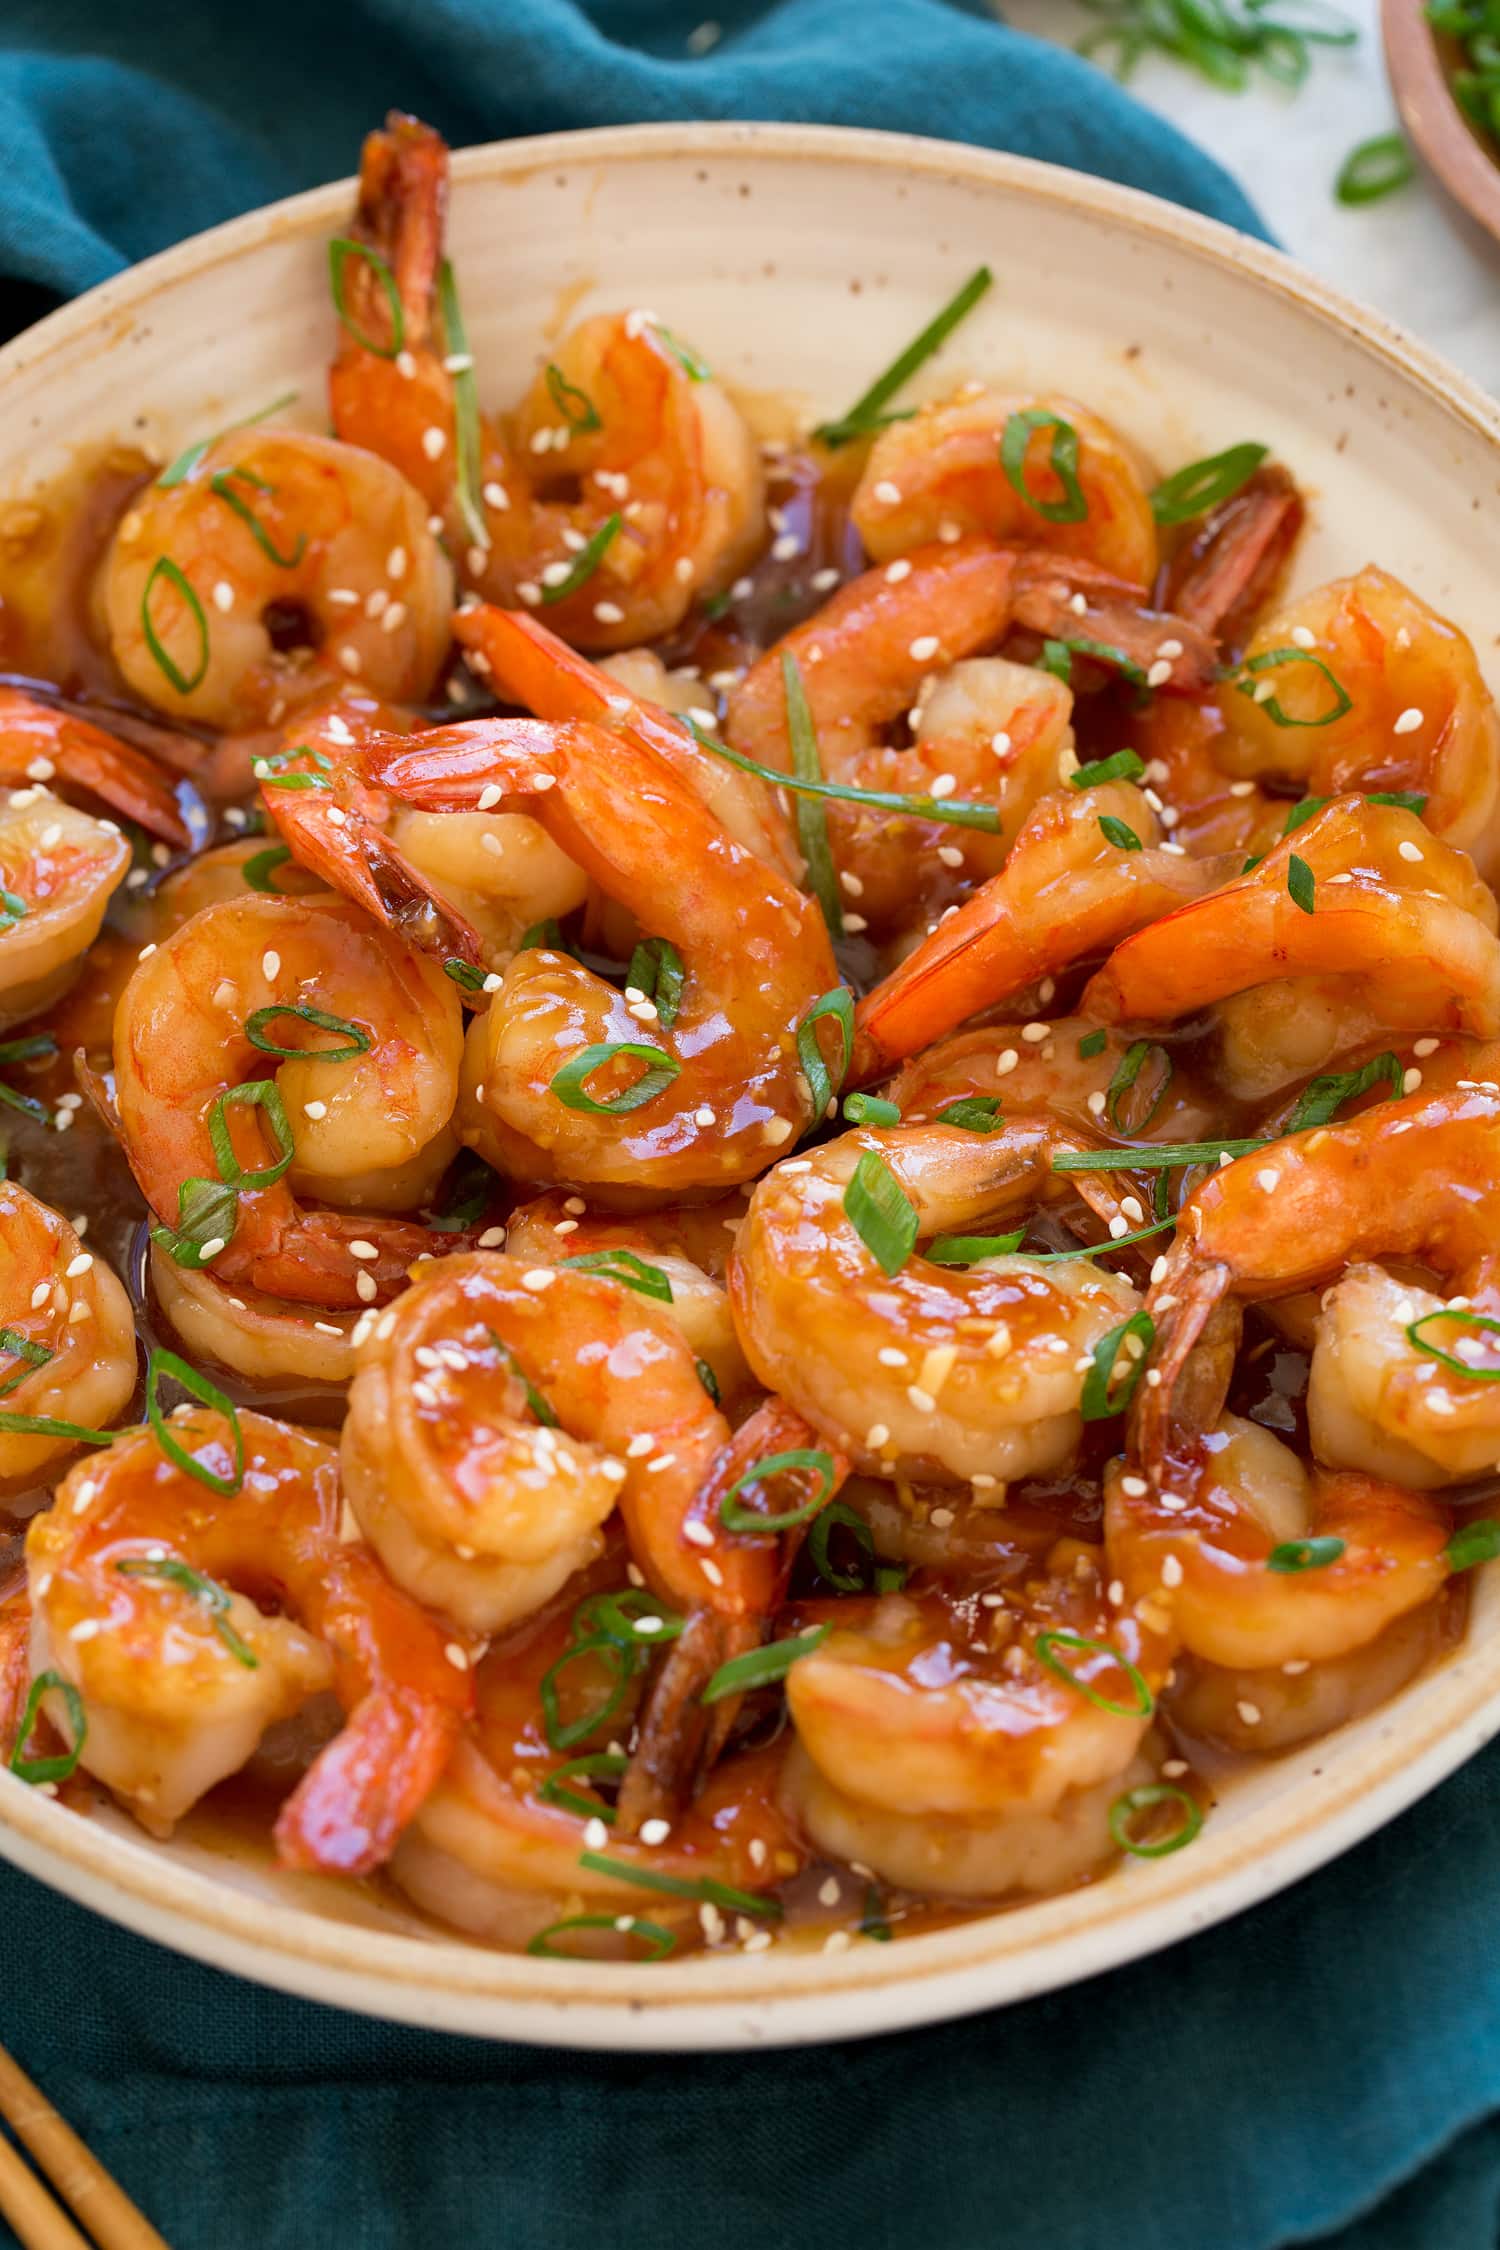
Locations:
{"points": [[279, 563], [43, 745], [1360, 685], [67, 1334], [155, 1604], [625, 484], [943, 471], [902, 652], [1097, 1080], [1070, 888], [1359, 922], [59, 869], [976, 1751], [1233, 559], [365, 1039], [936, 1371], [566, 1078], [498, 1847]]}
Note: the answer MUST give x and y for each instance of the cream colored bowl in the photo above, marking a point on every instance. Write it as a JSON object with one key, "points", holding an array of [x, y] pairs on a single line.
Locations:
{"points": [[798, 260]]}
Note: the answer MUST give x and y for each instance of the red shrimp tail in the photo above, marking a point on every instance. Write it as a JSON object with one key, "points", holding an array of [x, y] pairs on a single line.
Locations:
{"points": [[347, 1813], [1227, 572], [1197, 1339], [680, 1734], [356, 859], [122, 777], [1129, 636]]}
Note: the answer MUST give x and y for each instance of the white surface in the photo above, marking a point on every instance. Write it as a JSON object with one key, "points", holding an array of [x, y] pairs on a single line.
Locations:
{"points": [[750, 239], [1410, 255]]}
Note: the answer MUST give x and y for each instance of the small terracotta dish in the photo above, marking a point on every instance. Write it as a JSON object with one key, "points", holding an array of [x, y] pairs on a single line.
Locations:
{"points": [[1461, 158]]}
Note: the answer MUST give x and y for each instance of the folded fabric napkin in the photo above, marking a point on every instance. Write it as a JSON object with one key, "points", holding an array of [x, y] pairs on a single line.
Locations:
{"points": [[1327, 2062]]}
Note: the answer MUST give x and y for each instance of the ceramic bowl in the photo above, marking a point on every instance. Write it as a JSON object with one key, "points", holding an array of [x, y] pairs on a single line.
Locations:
{"points": [[799, 260], [1461, 158]]}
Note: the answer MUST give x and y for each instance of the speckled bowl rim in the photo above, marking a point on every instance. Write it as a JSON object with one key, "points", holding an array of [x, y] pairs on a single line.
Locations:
{"points": [[784, 1996]]}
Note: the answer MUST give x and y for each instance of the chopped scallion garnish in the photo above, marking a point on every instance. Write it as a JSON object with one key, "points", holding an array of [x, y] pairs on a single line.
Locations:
{"points": [[1293, 1555], [222, 486], [585, 562], [870, 1109], [1205, 484], [867, 414], [707, 1891], [1046, 1646], [951, 812], [1272, 660], [1063, 461], [1119, 833], [1123, 1812], [359, 1042], [811, 818], [1127, 1071], [881, 1212], [1321, 1100], [656, 971], [183, 682], [624, 1266], [467, 445], [823, 1085], [1473, 1543], [39, 1770], [164, 1365], [214, 1598], [568, 1084], [182, 468], [1467, 1320], [340, 250], [762, 1667], [657, 1941], [1301, 884], [1121, 765], [736, 1517], [1374, 168], [1101, 1398]]}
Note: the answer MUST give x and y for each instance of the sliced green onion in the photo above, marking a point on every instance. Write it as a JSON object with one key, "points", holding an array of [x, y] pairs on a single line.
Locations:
{"points": [[624, 1266], [182, 468], [542, 937], [707, 1891], [1483, 1321], [48, 1425], [566, 1735], [1324, 1097], [221, 485], [163, 1365], [340, 250], [464, 974], [698, 369], [866, 415], [13, 909], [261, 1093], [881, 1212], [1300, 883], [1127, 1071], [872, 1921], [586, 561], [534, 1399], [1092, 1043], [1118, 833], [631, 1616], [658, 1942], [950, 812], [1205, 484], [823, 1086], [1304, 1554], [1098, 1401], [1302, 812], [1473, 1543], [467, 447], [968, 1249], [736, 1517], [812, 820], [1271, 661], [184, 683], [1375, 168], [708, 1379], [39, 1770], [32, 1355], [1014, 442], [568, 1083], [1057, 658], [1166, 1158], [1103, 652], [208, 1591], [360, 1042], [575, 406], [656, 971], [1124, 1810], [261, 866], [1406, 800], [838, 1516], [207, 1211], [597, 1765], [870, 1109], [1045, 1646], [1103, 1249], [762, 1667], [1122, 765], [976, 1113]]}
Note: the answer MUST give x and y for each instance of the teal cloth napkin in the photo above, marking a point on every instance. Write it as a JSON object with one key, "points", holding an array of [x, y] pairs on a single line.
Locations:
{"points": [[1327, 2063]]}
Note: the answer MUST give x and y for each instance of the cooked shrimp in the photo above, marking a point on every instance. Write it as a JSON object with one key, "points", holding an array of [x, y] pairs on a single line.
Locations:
{"points": [[1232, 561], [1395, 932], [930, 1371], [687, 1250], [281, 561], [525, 663], [67, 1344], [183, 1041], [954, 1757], [59, 870], [1067, 891], [940, 474], [754, 953], [884, 646], [1411, 1179], [1200, 1551], [42, 745], [491, 1854], [1405, 708], [625, 442], [270, 1339], [149, 1602], [1069, 1069], [1378, 1401]]}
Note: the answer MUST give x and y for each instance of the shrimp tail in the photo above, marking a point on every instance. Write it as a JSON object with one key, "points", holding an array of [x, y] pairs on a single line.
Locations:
{"points": [[1194, 1353], [401, 214], [1228, 572], [358, 860], [680, 1735], [1115, 621], [347, 1812], [38, 740]]}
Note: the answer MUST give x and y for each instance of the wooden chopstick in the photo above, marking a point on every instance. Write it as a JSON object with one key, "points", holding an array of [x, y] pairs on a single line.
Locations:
{"points": [[105, 2209]]}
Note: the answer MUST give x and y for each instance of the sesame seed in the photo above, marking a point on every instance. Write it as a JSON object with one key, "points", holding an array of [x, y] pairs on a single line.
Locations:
{"points": [[923, 1401], [943, 785], [457, 1656], [1119, 1227], [1268, 1178], [1159, 673], [595, 1835], [1170, 649], [492, 1238], [365, 1289], [538, 1279], [349, 658], [77, 1266], [950, 855], [1000, 743], [395, 615], [1408, 849], [1425, 1047], [211, 1248], [924, 648], [434, 442], [1409, 721], [1171, 1571], [609, 613], [711, 1571], [1035, 1033], [876, 1436], [1410, 1080], [40, 1294], [704, 1116], [886, 492], [223, 596], [776, 1130], [86, 1629], [50, 836], [655, 1831], [1006, 1061], [1249, 1714], [1097, 1103], [888, 1355]]}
